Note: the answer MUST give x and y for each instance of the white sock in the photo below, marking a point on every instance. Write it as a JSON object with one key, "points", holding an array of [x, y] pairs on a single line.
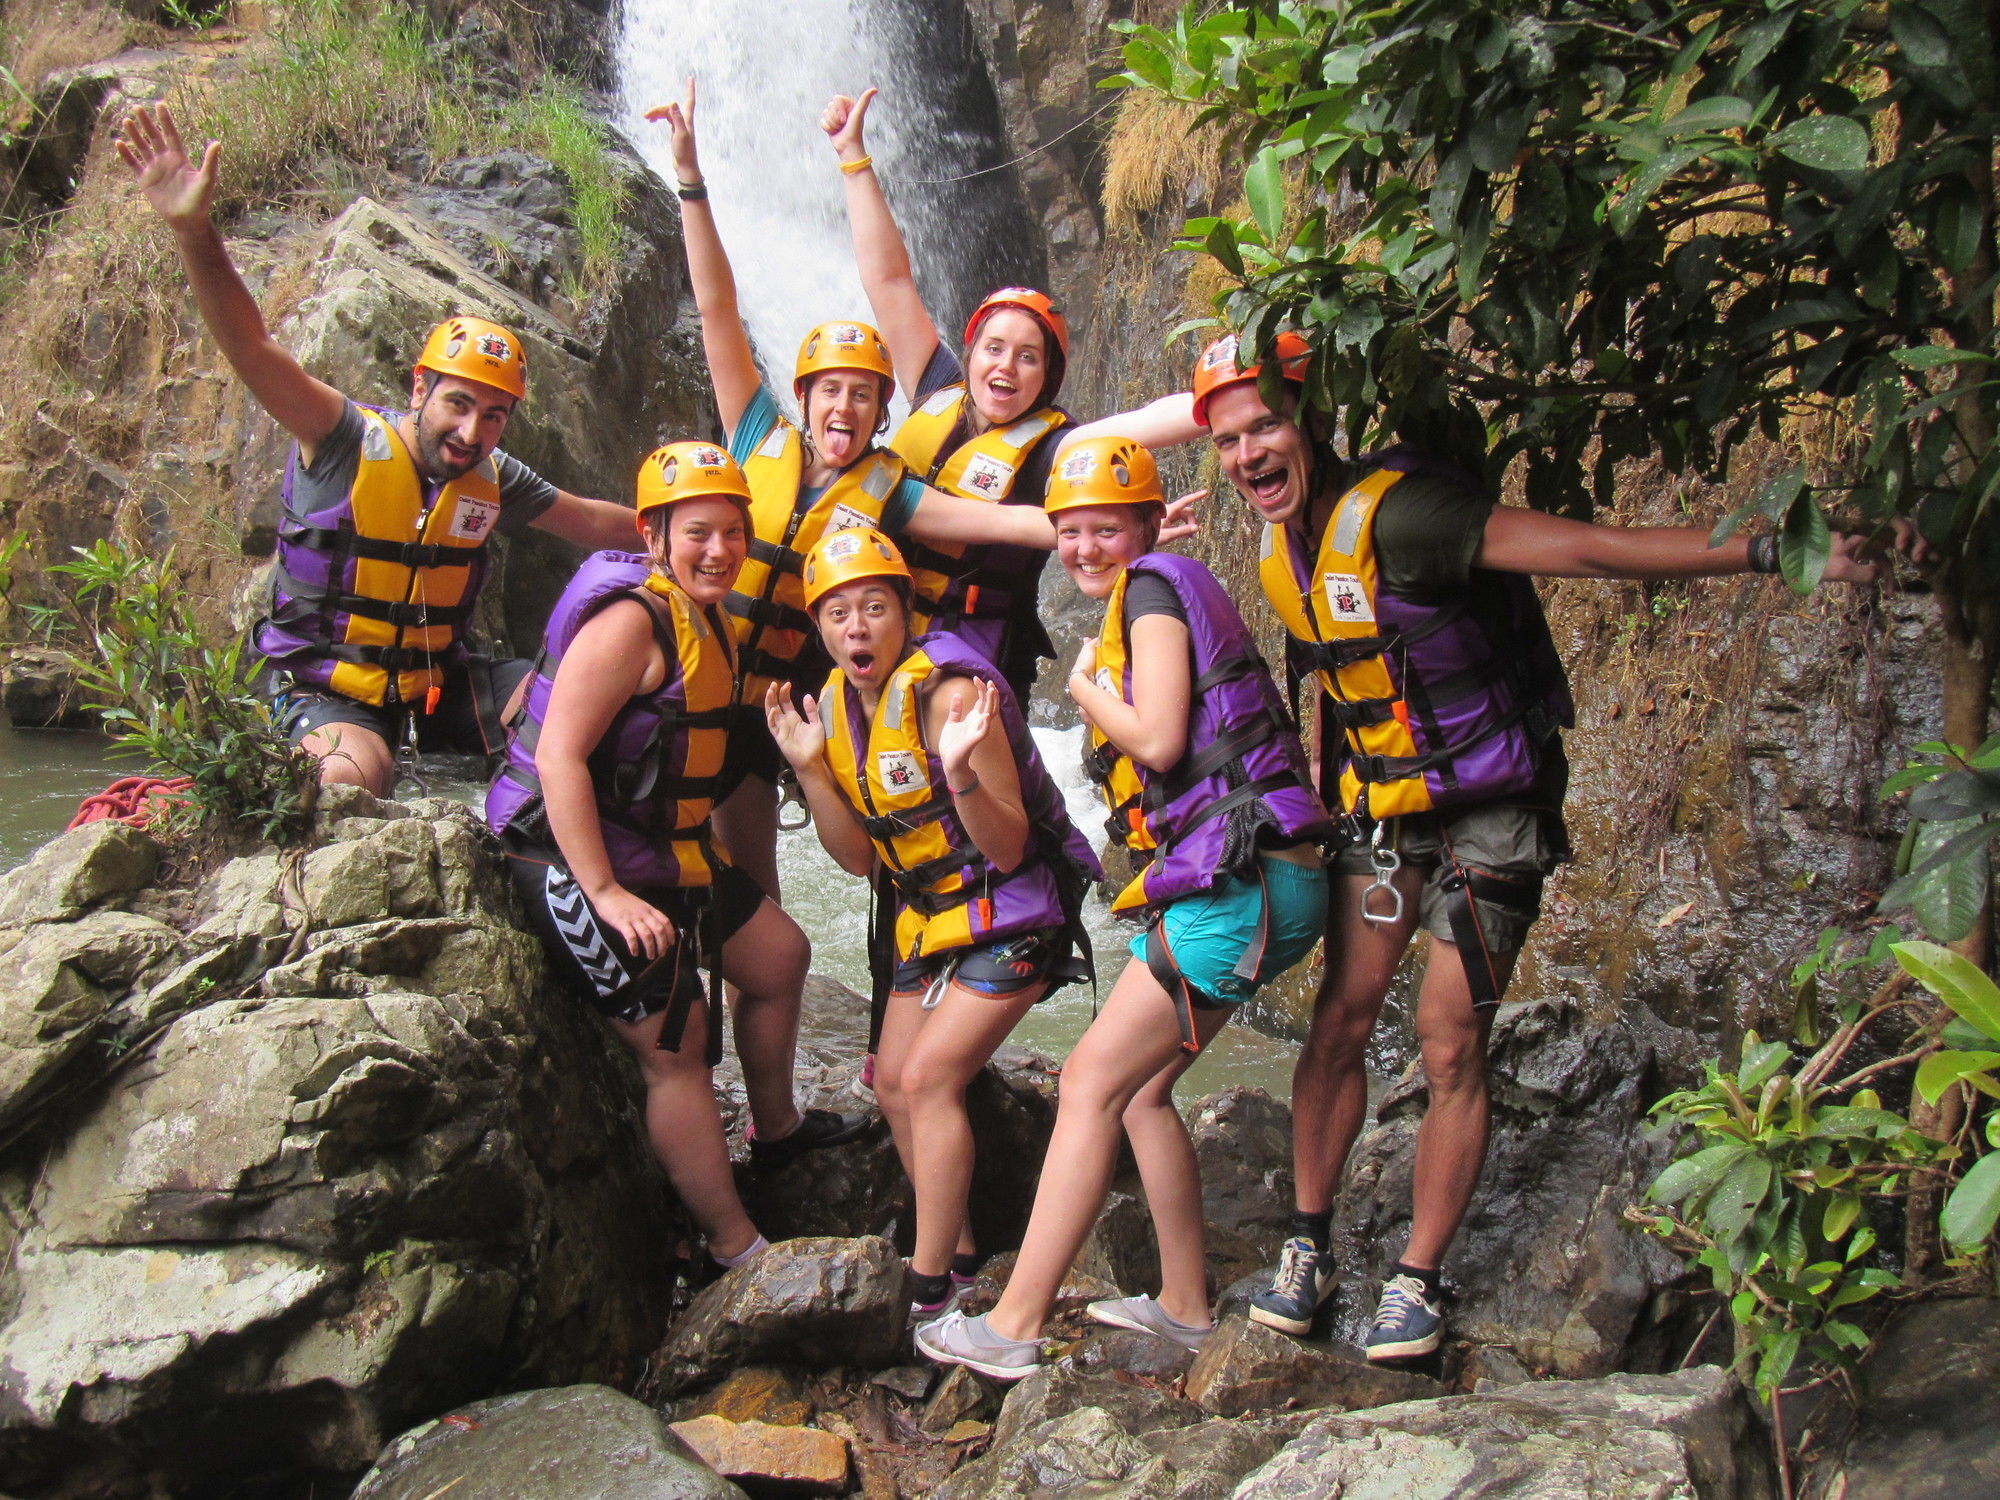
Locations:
{"points": [[731, 1262]]}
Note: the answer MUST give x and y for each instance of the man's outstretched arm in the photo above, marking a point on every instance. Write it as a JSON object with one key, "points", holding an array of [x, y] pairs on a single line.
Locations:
{"points": [[1526, 541], [180, 193]]}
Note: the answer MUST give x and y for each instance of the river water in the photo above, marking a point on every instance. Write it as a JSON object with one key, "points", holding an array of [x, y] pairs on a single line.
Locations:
{"points": [[44, 773]]}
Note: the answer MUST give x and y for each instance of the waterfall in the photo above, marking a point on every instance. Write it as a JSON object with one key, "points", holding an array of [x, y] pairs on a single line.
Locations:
{"points": [[764, 69]]}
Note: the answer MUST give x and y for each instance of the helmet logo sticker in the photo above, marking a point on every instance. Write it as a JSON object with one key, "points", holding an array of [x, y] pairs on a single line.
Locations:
{"points": [[842, 547], [493, 347], [1079, 465], [1222, 351], [708, 458]]}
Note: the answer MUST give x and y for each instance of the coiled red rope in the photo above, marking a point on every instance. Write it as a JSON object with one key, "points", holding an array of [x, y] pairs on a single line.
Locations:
{"points": [[134, 800]]}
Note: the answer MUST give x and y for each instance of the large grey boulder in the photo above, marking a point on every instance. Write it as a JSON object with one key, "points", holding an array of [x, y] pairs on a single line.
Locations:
{"points": [[582, 1442], [1246, 1367], [294, 1223], [77, 869], [1640, 1437], [1544, 1263], [1929, 1422]]}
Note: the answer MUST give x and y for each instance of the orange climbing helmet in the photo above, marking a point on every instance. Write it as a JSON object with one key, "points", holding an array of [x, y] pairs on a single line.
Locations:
{"points": [[853, 552], [477, 350], [690, 471], [843, 346], [1217, 367], [1104, 471]]}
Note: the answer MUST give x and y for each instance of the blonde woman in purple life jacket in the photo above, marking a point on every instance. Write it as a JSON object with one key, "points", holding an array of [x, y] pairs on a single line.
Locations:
{"points": [[922, 775], [1207, 783]]}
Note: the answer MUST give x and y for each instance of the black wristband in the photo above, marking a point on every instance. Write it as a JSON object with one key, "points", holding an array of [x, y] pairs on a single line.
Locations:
{"points": [[1764, 554], [692, 194]]}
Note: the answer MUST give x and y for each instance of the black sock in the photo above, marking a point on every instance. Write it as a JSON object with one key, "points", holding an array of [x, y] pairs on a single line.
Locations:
{"points": [[1315, 1227], [967, 1264], [929, 1290], [1428, 1278]]}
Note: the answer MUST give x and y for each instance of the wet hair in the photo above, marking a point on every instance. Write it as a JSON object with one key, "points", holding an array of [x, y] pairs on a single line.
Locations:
{"points": [[1055, 364]]}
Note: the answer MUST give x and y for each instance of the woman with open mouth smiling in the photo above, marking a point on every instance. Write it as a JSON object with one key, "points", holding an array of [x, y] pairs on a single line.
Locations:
{"points": [[1202, 770], [805, 481], [918, 767]]}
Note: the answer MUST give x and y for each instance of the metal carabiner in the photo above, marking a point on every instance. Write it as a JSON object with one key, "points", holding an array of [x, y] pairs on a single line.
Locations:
{"points": [[1386, 862], [790, 796], [406, 761]]}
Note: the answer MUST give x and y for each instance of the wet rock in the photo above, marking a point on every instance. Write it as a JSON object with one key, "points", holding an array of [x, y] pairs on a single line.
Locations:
{"points": [[788, 1460], [1543, 1264], [1146, 1355], [1245, 1367], [73, 870], [756, 1394], [1243, 1144], [1058, 1389], [813, 1302], [1086, 1446], [960, 1397], [1202, 1462], [1633, 1437], [39, 690], [582, 1442], [1930, 1406]]}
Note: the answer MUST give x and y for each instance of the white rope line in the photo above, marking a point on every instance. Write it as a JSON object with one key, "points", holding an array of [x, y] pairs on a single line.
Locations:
{"points": [[1003, 166]]}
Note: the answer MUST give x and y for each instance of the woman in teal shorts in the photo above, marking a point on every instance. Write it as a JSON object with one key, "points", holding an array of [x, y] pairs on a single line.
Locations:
{"points": [[1202, 769]]}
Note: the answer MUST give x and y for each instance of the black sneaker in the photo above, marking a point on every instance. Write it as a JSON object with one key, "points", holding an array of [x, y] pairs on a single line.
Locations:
{"points": [[816, 1128], [1303, 1282], [1407, 1324]]}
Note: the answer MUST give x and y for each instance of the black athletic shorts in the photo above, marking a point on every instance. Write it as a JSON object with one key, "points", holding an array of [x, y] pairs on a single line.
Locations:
{"points": [[467, 720], [752, 752], [594, 960], [1001, 969]]}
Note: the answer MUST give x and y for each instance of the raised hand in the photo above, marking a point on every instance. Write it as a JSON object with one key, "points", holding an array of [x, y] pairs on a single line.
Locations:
{"points": [[1858, 559], [648, 931], [150, 144], [842, 119], [679, 120], [966, 726], [799, 737], [1179, 519]]}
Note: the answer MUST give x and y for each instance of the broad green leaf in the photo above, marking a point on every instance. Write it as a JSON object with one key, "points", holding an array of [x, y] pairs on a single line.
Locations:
{"points": [[1779, 1354], [1956, 980], [1947, 879], [1930, 356], [1847, 1120], [1941, 1070], [1804, 544], [1974, 1205], [1956, 225], [1918, 33], [1847, 1335], [1760, 1061], [1841, 1211], [1721, 112], [1650, 179], [1264, 186], [1736, 1198], [1826, 143], [1694, 1174]]}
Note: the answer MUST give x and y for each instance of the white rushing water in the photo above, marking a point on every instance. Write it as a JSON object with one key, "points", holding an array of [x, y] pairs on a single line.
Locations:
{"points": [[764, 70]]}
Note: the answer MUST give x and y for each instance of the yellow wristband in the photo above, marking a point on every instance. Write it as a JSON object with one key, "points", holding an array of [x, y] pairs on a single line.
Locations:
{"points": [[859, 164]]}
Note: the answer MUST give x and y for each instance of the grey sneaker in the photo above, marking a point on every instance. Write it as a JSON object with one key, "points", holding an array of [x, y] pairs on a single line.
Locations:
{"points": [[955, 1339], [1303, 1282], [1408, 1324], [1147, 1316]]}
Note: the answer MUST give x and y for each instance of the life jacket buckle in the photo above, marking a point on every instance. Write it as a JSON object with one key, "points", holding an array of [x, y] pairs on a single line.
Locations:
{"points": [[1386, 861]]}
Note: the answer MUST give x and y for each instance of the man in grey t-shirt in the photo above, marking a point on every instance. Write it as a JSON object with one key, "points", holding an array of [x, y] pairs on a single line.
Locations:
{"points": [[381, 549]]}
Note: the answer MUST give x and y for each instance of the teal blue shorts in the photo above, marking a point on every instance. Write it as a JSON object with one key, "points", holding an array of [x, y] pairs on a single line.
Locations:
{"points": [[1210, 933]]}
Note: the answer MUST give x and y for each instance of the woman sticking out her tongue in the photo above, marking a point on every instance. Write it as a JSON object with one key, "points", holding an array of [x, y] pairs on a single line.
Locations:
{"points": [[806, 481], [922, 775], [1202, 770], [984, 422]]}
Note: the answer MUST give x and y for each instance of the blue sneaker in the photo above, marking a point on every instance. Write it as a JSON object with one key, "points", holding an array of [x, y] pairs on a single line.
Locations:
{"points": [[1407, 1324], [1303, 1282]]}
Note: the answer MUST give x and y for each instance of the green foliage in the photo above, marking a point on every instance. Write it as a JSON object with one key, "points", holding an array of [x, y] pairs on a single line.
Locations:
{"points": [[1772, 1202], [1945, 864], [1974, 1205], [193, 15], [1616, 228], [183, 705], [552, 122]]}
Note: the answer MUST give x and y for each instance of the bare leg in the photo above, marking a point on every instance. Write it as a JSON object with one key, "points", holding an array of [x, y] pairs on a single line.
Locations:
{"points": [[686, 1130], [1133, 1038], [352, 756], [901, 1021], [1167, 1169], [746, 824], [767, 960], [952, 1045], [1451, 1141], [1330, 1078]]}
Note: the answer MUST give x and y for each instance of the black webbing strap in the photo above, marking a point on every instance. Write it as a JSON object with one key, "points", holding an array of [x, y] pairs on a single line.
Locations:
{"points": [[1160, 961], [891, 825], [780, 558], [401, 613], [1373, 768], [881, 951], [1461, 885], [1195, 769], [768, 614], [378, 549]]}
